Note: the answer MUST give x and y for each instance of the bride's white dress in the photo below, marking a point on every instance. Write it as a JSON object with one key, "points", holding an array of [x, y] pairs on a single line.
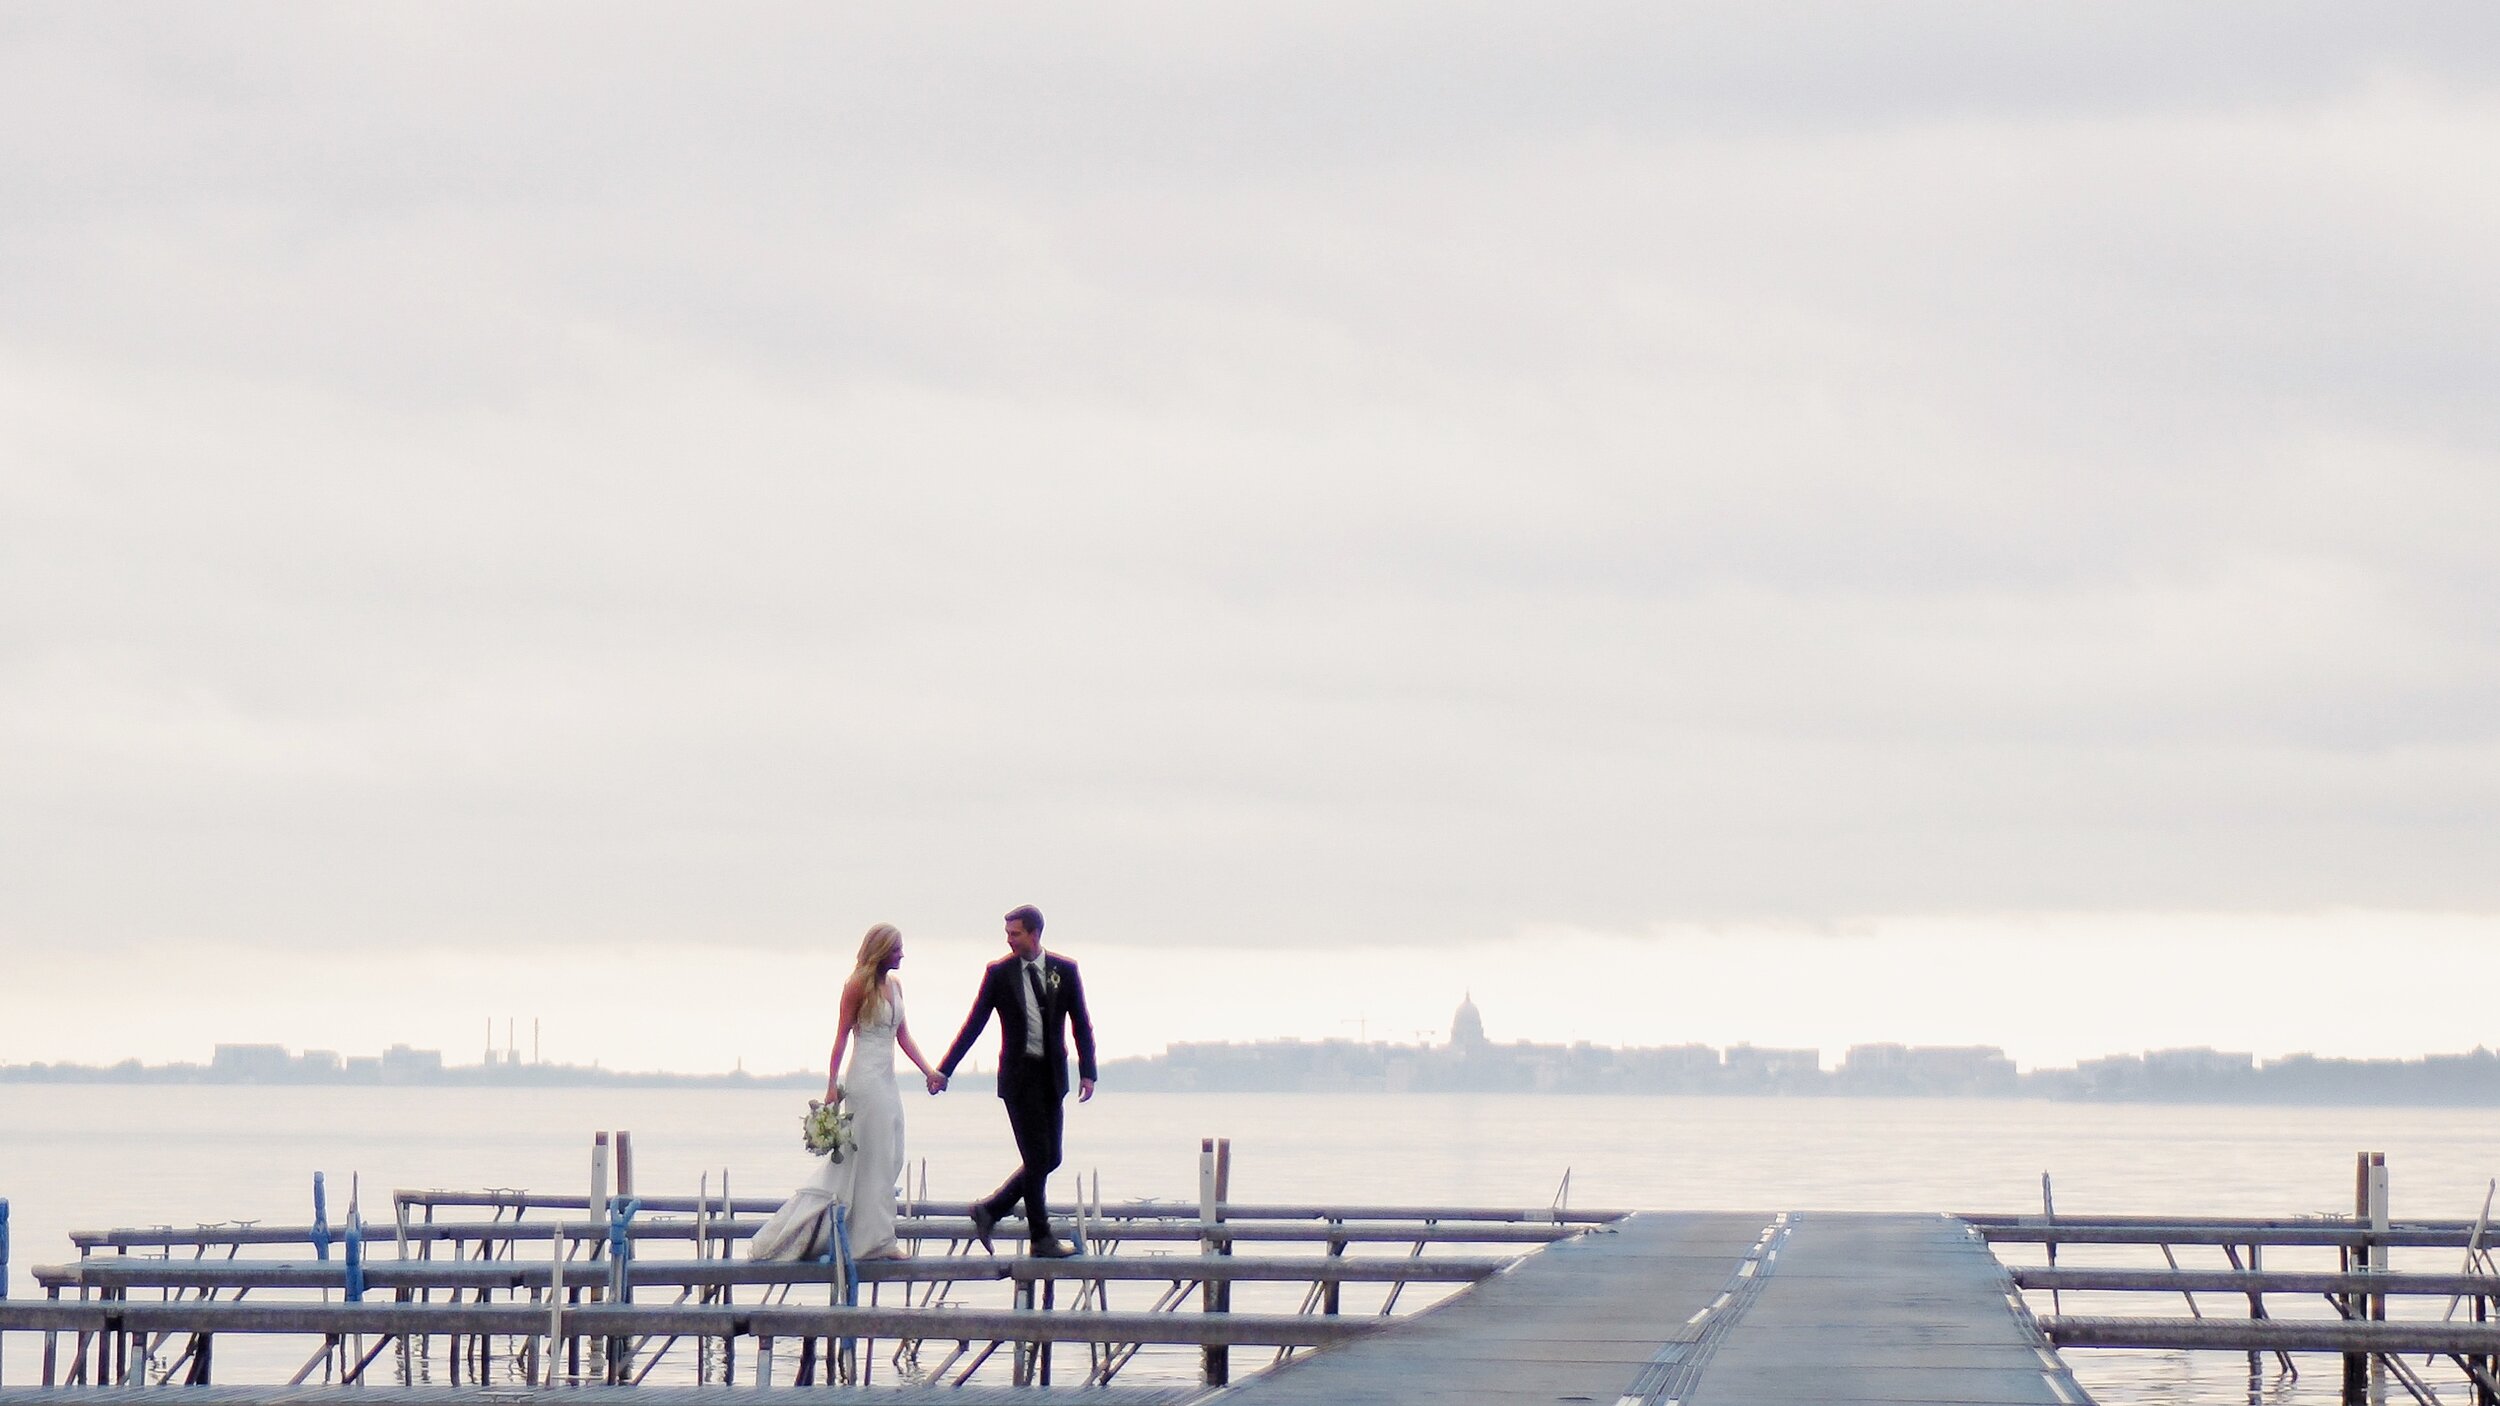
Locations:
{"points": [[864, 1179]]}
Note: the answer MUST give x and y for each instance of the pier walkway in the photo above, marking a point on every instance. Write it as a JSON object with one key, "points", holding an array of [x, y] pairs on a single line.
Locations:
{"points": [[1711, 1310], [1644, 1309]]}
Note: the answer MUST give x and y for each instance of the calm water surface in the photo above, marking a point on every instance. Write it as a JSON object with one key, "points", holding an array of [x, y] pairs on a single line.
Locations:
{"points": [[127, 1155]]}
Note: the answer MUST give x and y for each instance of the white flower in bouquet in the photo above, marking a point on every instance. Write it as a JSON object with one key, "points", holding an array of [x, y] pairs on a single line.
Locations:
{"points": [[827, 1129]]}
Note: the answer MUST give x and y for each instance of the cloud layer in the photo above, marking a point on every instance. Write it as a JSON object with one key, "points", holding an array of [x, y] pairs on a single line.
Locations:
{"points": [[1257, 476]]}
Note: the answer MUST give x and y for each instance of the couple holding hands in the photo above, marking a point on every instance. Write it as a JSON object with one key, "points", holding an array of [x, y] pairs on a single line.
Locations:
{"points": [[1039, 1002]]}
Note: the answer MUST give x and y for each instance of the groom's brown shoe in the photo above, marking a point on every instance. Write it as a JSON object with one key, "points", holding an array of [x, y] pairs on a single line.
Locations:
{"points": [[1052, 1249], [984, 1220]]}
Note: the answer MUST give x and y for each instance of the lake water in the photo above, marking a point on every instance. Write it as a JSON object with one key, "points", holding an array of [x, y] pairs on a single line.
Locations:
{"points": [[146, 1155]]}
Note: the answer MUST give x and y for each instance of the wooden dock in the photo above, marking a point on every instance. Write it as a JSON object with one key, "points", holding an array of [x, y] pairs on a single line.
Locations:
{"points": [[1648, 1309], [1711, 1310], [506, 1296]]}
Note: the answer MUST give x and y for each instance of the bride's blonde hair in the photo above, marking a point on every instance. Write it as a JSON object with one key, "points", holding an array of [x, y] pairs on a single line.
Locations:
{"points": [[869, 975]]}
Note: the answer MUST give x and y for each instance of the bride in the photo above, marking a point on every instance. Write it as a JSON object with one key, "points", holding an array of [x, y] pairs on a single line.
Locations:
{"points": [[872, 1008]]}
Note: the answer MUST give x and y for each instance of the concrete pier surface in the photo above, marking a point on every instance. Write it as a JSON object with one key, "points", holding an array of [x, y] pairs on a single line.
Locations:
{"points": [[1798, 1309]]}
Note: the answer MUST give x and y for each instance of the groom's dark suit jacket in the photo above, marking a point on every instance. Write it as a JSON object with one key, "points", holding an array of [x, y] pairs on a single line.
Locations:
{"points": [[1063, 1012]]}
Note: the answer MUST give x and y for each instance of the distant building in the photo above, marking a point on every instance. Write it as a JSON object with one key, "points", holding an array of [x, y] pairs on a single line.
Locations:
{"points": [[1665, 1069], [1468, 1062], [402, 1065], [1925, 1070], [251, 1063], [1752, 1067], [2199, 1063]]}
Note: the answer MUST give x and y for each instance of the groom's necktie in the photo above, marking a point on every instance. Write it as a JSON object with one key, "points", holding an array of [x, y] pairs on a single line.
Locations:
{"points": [[1032, 1010]]}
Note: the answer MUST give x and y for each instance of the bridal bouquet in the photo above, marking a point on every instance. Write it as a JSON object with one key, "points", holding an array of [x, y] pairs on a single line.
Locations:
{"points": [[827, 1130]]}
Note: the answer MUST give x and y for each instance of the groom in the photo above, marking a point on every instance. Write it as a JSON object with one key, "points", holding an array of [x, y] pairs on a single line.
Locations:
{"points": [[1038, 999]]}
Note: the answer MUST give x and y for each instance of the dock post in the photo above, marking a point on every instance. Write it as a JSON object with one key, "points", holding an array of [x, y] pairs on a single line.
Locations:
{"points": [[2483, 1389], [2378, 1265], [410, 1344], [554, 1355], [1215, 1173], [845, 1290], [4, 1279], [703, 1217], [598, 1178], [2048, 1214], [1022, 1375], [321, 1219], [2360, 1259], [620, 1283], [351, 1349], [597, 1205], [355, 1290], [1041, 1363], [1330, 1292]]}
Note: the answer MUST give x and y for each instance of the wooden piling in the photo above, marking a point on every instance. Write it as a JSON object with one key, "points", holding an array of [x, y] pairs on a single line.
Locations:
{"points": [[2376, 1211], [1215, 1172], [513, 1280]]}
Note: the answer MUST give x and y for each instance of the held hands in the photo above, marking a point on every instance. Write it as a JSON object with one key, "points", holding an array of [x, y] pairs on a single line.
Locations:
{"points": [[937, 1082]]}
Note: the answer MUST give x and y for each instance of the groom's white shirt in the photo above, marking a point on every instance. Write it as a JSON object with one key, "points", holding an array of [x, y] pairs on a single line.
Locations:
{"points": [[1029, 981]]}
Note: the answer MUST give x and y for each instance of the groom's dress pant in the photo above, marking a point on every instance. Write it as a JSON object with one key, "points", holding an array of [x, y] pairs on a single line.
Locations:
{"points": [[1037, 1113]]}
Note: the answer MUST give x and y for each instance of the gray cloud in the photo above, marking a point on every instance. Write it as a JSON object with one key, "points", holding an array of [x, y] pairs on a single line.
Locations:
{"points": [[1252, 475]]}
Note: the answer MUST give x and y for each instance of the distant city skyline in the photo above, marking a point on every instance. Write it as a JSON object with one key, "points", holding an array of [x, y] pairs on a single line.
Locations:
{"points": [[2046, 993], [1962, 524], [1390, 1063], [1467, 1061]]}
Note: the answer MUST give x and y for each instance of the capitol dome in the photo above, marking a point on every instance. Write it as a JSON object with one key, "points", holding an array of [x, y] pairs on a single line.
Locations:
{"points": [[1467, 1027]]}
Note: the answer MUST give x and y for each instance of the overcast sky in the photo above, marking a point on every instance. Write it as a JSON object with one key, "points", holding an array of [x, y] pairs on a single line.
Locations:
{"points": [[1609, 506]]}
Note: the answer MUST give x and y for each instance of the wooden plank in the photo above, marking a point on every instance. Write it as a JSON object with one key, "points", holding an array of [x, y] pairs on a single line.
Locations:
{"points": [[123, 1273], [2241, 1281], [2275, 1334], [724, 1320], [2066, 1232], [941, 1228], [744, 1394], [1988, 1223], [1112, 1210]]}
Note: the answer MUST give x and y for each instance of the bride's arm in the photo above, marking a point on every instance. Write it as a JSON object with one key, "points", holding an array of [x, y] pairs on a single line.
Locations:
{"points": [[851, 994], [902, 1032]]}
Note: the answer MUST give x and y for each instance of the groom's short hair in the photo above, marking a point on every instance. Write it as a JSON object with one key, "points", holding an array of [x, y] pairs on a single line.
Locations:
{"points": [[1027, 916]]}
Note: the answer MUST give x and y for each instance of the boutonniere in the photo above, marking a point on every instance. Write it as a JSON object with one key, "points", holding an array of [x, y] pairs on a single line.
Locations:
{"points": [[1050, 980]]}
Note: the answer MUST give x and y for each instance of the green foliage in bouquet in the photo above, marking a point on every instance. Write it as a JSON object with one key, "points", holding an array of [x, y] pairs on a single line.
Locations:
{"points": [[827, 1130]]}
